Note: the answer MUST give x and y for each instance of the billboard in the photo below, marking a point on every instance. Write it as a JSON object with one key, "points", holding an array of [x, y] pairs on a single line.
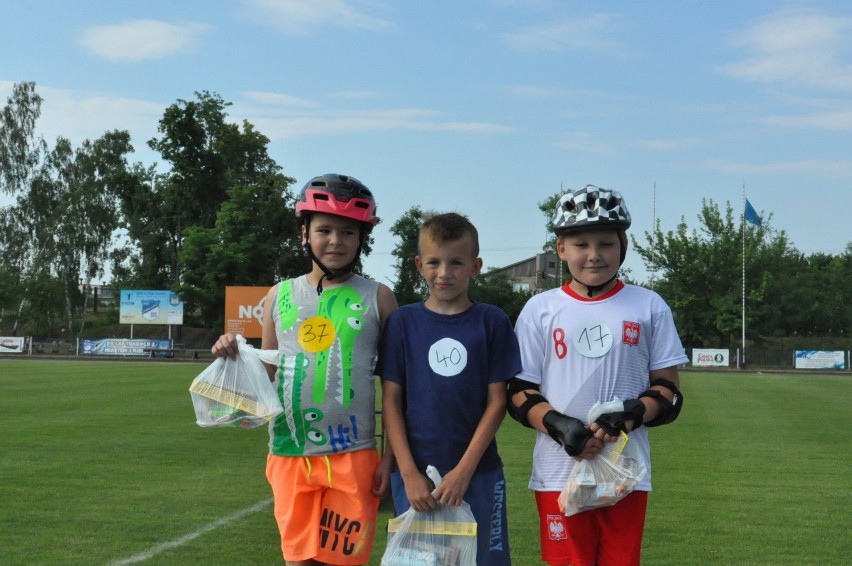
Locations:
{"points": [[820, 359], [11, 344], [150, 307], [707, 357], [122, 346], [244, 310]]}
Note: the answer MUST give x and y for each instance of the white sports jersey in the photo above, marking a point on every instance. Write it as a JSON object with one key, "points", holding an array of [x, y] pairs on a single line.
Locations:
{"points": [[584, 351]]}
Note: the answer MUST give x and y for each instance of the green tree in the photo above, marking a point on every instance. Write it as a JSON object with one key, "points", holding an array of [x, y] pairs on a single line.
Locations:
{"points": [[499, 291], [21, 150], [207, 156], [700, 276], [63, 220], [255, 241], [409, 287]]}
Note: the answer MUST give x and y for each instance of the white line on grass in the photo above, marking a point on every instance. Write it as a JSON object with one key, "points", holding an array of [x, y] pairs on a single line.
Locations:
{"points": [[154, 550]]}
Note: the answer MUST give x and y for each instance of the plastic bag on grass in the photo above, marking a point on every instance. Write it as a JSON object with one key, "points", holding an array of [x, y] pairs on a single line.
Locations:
{"points": [[606, 479], [235, 393], [444, 536]]}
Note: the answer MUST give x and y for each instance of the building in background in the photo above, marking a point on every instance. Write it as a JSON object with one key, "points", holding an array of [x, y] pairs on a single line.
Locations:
{"points": [[536, 274]]}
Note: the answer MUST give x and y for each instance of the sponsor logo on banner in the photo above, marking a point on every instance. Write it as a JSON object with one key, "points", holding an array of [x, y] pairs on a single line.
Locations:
{"points": [[122, 347], [11, 344], [820, 359], [706, 357], [150, 307], [244, 310]]}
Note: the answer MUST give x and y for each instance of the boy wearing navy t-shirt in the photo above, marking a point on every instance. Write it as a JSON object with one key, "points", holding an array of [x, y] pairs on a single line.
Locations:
{"points": [[444, 365]]}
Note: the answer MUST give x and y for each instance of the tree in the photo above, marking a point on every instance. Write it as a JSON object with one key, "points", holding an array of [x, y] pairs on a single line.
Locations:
{"points": [[409, 287], [700, 276], [63, 219], [500, 292], [20, 149], [255, 241], [208, 156]]}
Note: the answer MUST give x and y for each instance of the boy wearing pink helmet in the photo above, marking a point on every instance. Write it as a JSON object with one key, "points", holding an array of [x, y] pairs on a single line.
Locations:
{"points": [[323, 466]]}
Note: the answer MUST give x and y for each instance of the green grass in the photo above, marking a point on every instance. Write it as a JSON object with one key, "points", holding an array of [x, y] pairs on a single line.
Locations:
{"points": [[102, 461]]}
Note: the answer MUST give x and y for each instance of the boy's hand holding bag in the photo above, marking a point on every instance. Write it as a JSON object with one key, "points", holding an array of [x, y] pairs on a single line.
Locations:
{"points": [[236, 392], [609, 477], [444, 536]]}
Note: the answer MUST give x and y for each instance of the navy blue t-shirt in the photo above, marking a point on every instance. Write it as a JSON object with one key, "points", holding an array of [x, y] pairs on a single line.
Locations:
{"points": [[445, 364]]}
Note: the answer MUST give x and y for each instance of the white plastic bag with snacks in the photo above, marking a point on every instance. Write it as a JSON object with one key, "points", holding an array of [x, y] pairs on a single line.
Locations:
{"points": [[609, 477], [235, 393], [444, 536]]}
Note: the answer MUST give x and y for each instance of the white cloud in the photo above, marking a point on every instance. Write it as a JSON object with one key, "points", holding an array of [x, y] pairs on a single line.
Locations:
{"points": [[585, 34], [800, 48], [585, 142], [347, 122], [275, 99], [301, 17], [818, 168], [140, 40], [669, 144], [838, 121]]}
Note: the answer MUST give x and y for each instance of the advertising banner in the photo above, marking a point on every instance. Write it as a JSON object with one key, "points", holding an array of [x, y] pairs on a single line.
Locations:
{"points": [[150, 307], [11, 344], [706, 357], [122, 346], [820, 359], [244, 310]]}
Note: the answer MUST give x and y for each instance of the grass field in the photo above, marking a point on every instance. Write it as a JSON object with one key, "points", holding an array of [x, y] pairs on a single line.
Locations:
{"points": [[101, 463]]}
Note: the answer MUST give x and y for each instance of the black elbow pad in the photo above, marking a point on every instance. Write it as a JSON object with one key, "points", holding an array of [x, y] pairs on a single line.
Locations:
{"points": [[669, 409]]}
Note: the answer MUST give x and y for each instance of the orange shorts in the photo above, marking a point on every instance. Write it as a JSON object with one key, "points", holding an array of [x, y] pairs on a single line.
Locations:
{"points": [[324, 505]]}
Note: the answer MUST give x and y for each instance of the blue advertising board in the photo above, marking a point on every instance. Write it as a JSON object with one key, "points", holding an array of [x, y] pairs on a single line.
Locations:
{"points": [[150, 307]]}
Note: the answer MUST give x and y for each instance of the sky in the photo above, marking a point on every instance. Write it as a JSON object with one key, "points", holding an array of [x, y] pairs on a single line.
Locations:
{"points": [[482, 107]]}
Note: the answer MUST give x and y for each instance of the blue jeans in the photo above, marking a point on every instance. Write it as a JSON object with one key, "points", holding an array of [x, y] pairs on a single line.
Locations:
{"points": [[486, 496]]}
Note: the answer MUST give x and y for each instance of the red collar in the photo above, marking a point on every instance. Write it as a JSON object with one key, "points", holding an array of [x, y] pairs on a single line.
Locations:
{"points": [[571, 293]]}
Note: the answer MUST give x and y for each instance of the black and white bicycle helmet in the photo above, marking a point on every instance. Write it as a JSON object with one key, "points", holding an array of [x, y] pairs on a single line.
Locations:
{"points": [[590, 207]]}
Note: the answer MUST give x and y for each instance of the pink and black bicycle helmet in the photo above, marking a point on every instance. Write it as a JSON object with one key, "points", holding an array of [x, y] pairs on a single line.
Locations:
{"points": [[340, 195]]}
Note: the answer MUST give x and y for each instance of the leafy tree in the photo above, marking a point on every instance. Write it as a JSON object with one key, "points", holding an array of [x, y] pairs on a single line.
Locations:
{"points": [[20, 149], [63, 219], [499, 291], [208, 156], [255, 242], [701, 276], [409, 287]]}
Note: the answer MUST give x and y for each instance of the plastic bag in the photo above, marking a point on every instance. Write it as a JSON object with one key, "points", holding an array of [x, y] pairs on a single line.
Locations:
{"points": [[444, 536], [235, 393], [606, 479]]}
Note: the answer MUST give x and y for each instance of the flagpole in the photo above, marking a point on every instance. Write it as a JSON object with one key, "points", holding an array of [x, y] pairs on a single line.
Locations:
{"points": [[743, 363], [654, 234], [743, 356]]}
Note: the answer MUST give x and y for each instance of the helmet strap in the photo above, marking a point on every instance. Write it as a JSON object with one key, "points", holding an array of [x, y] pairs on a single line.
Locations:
{"points": [[591, 290], [326, 272]]}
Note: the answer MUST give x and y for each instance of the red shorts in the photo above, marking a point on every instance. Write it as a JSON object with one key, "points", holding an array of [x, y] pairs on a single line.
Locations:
{"points": [[325, 506], [608, 536]]}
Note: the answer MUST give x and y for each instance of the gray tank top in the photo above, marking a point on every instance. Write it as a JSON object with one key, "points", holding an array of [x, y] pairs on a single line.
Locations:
{"points": [[325, 376]]}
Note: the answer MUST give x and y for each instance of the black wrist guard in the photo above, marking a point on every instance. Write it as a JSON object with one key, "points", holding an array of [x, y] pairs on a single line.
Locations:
{"points": [[616, 422], [669, 410], [531, 398], [569, 432]]}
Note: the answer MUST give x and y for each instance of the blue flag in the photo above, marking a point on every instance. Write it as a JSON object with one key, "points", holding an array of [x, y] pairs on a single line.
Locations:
{"points": [[751, 214]]}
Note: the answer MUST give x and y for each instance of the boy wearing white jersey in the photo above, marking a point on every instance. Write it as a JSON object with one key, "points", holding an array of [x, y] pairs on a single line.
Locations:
{"points": [[593, 340]]}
